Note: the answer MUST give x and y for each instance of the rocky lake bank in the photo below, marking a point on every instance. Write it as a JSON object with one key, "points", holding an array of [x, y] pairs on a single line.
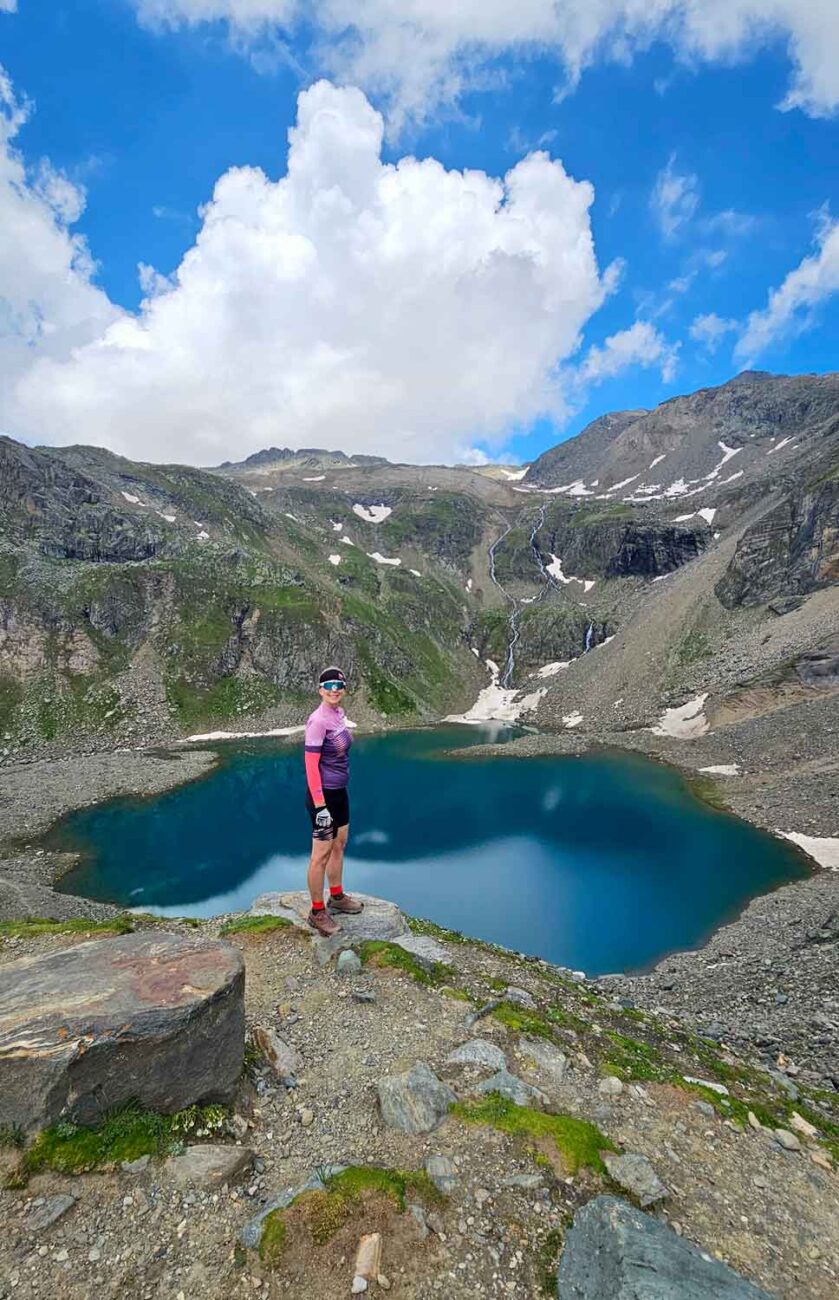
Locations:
{"points": [[478, 1122], [765, 980]]}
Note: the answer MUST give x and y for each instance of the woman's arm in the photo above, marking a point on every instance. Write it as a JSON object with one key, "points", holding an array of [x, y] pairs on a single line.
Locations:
{"points": [[313, 781]]}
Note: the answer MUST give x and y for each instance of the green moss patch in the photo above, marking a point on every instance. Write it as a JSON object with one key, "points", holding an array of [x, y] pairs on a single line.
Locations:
{"points": [[124, 1134], [629, 1058], [578, 1142], [255, 925], [321, 1214], [36, 925], [377, 952], [537, 1024]]}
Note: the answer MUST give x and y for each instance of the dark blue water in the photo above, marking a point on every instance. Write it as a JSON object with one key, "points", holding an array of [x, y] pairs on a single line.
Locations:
{"points": [[601, 862]]}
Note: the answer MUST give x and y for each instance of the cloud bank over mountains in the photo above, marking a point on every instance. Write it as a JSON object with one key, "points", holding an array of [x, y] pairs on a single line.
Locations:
{"points": [[426, 53], [399, 309]]}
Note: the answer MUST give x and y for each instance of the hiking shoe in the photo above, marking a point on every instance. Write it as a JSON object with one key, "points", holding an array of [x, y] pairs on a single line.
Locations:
{"points": [[347, 904], [323, 923]]}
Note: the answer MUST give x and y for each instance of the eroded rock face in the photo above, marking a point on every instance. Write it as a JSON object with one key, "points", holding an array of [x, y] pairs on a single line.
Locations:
{"points": [[154, 1017], [614, 1250], [789, 552]]}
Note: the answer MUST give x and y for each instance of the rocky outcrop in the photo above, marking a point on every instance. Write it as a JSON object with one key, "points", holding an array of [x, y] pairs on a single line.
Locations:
{"points": [[789, 552], [768, 422], [615, 1251], [152, 1018]]}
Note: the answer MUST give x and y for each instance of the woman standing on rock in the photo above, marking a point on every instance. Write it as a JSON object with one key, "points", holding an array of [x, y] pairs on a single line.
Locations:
{"points": [[327, 756]]}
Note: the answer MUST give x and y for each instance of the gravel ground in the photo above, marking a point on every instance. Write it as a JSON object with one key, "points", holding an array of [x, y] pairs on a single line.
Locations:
{"points": [[767, 1211]]}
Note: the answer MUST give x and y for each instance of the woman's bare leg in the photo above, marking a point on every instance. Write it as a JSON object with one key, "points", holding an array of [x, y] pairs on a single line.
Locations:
{"points": [[321, 857], [335, 863]]}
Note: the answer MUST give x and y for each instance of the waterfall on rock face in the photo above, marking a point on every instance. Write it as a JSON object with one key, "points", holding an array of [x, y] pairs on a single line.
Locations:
{"points": [[514, 628], [589, 635]]}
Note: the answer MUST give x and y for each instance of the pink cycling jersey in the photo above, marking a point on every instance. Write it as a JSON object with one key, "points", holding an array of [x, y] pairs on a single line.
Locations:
{"points": [[327, 747]]}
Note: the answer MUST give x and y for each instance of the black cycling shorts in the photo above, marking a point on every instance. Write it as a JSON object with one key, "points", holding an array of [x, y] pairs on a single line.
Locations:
{"points": [[338, 803]]}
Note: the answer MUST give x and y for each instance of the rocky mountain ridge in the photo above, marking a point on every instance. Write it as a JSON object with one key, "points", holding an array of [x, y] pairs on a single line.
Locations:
{"points": [[150, 600]]}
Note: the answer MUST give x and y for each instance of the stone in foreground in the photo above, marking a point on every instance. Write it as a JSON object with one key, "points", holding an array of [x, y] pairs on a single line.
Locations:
{"points": [[635, 1175], [380, 919], [478, 1052], [613, 1250], [209, 1166], [155, 1018], [514, 1089], [416, 1101]]}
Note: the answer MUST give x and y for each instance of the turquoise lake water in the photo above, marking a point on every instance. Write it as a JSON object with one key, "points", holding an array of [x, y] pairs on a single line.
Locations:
{"points": [[602, 862]]}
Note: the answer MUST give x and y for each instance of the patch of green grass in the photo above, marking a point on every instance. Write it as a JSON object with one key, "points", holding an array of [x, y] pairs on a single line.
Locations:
{"points": [[324, 1212], [629, 1058], [601, 515], [522, 1021], [709, 791], [694, 646], [537, 1024], [378, 952], [459, 995], [418, 925], [36, 925], [255, 925], [547, 1262], [124, 1134], [577, 1141], [273, 1239]]}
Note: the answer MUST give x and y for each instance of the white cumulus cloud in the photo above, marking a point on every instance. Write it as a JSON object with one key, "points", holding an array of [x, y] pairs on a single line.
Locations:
{"points": [[791, 306], [640, 345], [48, 301], [398, 308], [710, 329], [422, 53]]}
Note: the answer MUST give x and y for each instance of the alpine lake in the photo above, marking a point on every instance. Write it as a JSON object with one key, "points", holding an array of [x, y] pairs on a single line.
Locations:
{"points": [[601, 862]]}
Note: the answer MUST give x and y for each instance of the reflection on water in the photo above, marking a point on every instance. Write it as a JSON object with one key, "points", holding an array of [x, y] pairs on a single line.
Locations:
{"points": [[600, 862]]}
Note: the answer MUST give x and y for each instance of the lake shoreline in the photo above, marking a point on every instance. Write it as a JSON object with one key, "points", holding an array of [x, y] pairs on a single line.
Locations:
{"points": [[761, 980]]}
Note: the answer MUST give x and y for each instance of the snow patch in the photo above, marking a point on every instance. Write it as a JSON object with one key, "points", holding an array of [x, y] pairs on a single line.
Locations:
{"points": [[555, 570], [824, 849], [288, 516], [382, 559], [657, 460], [572, 719], [495, 704], [372, 514], [551, 670], [336, 527], [345, 541], [707, 513], [514, 475], [203, 536], [334, 559], [417, 574], [682, 519], [170, 519], [624, 482], [242, 735], [318, 478], [132, 500], [783, 443], [468, 584], [722, 769], [685, 722]]}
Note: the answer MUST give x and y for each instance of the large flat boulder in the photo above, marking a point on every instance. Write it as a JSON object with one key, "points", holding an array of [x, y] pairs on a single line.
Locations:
{"points": [[613, 1250], [380, 919], [154, 1017]]}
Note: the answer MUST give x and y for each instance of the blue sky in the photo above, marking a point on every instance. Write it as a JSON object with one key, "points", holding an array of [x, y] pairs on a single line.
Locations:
{"points": [[707, 198]]}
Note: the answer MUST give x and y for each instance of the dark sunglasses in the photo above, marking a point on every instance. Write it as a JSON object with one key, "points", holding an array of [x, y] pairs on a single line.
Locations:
{"points": [[333, 686]]}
